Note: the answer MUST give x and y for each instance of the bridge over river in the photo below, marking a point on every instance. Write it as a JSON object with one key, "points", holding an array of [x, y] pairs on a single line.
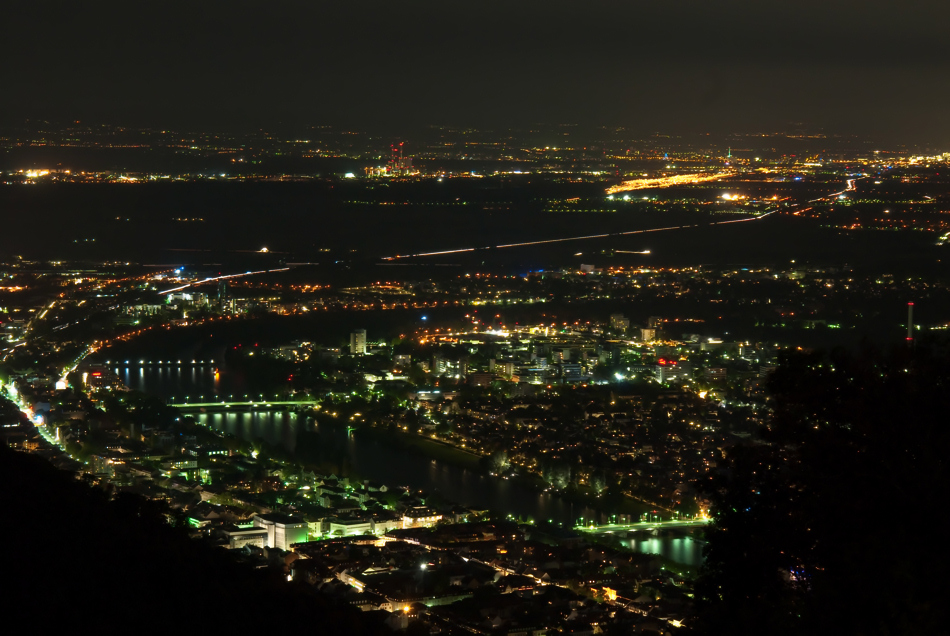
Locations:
{"points": [[222, 405], [620, 528]]}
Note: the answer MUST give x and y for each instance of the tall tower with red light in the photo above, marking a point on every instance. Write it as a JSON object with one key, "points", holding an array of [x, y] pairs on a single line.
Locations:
{"points": [[910, 324]]}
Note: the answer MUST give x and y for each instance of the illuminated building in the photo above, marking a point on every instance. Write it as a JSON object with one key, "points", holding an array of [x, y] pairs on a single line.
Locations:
{"points": [[619, 322], [99, 377], [358, 342], [420, 518], [449, 367], [350, 527], [480, 379], [671, 370], [185, 463], [244, 536], [399, 164], [571, 372], [282, 530]]}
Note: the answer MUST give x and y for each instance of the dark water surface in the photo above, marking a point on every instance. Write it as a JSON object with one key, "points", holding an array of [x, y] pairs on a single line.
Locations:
{"points": [[370, 458]]}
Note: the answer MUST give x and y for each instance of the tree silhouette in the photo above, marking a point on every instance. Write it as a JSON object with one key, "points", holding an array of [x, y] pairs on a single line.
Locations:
{"points": [[834, 524]]}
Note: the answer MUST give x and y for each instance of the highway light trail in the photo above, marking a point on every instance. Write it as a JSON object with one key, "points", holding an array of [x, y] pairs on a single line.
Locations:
{"points": [[850, 187], [750, 218], [466, 249], [214, 278], [654, 229], [557, 240], [569, 238]]}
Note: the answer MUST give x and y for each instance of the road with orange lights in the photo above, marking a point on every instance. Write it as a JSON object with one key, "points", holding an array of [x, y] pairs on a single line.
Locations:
{"points": [[666, 182]]}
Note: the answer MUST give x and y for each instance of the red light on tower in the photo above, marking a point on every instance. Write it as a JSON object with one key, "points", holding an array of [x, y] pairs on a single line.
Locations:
{"points": [[910, 322]]}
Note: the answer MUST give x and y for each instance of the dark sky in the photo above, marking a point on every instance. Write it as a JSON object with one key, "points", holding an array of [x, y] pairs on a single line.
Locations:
{"points": [[878, 68]]}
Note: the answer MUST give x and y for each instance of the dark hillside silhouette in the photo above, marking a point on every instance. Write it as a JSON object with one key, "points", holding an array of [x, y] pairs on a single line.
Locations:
{"points": [[838, 523], [74, 558]]}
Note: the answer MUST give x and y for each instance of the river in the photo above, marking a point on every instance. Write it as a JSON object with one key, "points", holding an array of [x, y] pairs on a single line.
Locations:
{"points": [[358, 453], [364, 455], [367, 456]]}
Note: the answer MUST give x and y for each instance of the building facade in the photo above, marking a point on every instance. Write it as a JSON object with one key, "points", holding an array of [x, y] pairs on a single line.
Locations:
{"points": [[358, 343], [282, 530]]}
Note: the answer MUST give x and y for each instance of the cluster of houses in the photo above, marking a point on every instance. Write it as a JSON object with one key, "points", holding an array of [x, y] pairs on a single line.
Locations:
{"points": [[494, 577]]}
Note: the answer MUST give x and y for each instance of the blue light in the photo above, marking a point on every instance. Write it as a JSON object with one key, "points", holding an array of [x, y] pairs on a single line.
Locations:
{"points": [[425, 317]]}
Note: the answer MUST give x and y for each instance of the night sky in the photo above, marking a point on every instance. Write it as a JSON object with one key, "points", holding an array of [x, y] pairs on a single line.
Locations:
{"points": [[684, 66]]}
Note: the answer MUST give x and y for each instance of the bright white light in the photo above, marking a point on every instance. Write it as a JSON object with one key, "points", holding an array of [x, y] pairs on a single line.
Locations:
{"points": [[214, 278]]}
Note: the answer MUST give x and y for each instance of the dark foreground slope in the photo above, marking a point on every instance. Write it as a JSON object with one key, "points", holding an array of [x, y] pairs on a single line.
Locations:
{"points": [[72, 557], [836, 523]]}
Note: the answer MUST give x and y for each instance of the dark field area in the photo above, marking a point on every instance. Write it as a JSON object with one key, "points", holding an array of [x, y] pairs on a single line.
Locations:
{"points": [[347, 227]]}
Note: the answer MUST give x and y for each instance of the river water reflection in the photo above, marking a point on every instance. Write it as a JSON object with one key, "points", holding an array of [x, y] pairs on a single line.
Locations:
{"points": [[179, 380], [682, 549], [368, 457]]}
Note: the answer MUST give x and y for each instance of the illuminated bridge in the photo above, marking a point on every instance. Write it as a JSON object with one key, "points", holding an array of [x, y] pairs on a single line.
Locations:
{"points": [[166, 363], [198, 403], [642, 525]]}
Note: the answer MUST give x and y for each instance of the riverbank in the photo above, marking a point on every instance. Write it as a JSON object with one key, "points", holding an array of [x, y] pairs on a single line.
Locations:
{"points": [[398, 459], [426, 446], [581, 496]]}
